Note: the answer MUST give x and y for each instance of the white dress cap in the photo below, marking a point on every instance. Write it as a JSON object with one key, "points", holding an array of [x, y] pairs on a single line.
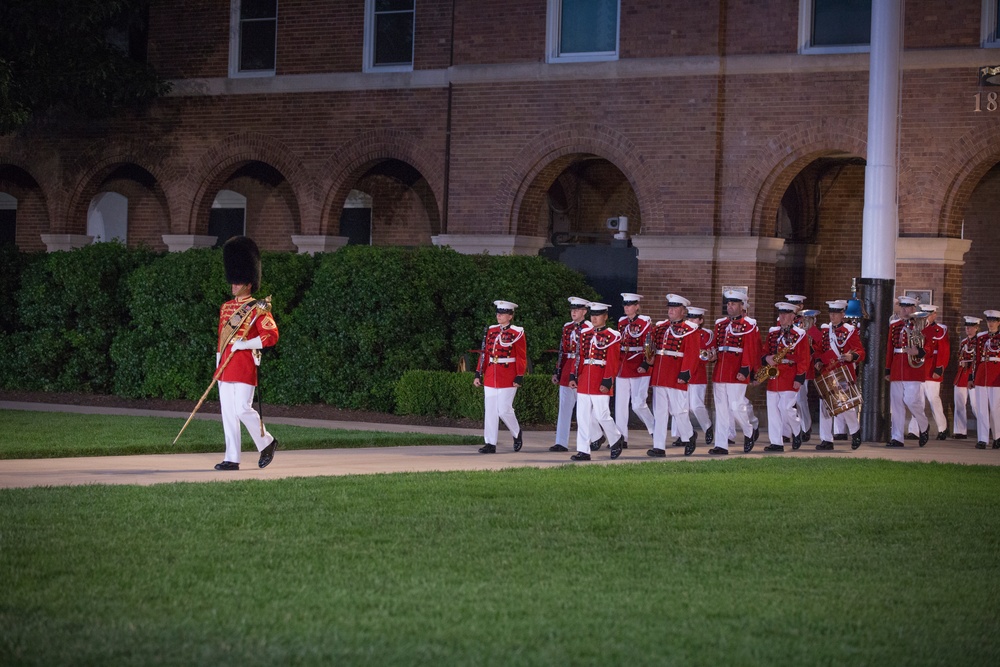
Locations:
{"points": [[928, 308], [677, 300], [785, 307], [695, 310], [797, 299], [837, 304], [628, 297], [505, 306], [995, 314], [907, 301], [577, 302], [735, 294], [972, 321], [598, 308]]}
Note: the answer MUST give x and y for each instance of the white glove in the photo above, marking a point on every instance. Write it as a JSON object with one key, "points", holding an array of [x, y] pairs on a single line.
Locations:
{"points": [[218, 358], [252, 344]]}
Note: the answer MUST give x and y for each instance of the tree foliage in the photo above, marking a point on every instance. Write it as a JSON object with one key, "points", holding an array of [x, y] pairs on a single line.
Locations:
{"points": [[83, 57]]}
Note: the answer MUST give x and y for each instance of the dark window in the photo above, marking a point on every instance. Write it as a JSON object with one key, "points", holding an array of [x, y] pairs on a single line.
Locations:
{"points": [[356, 225], [588, 26], [258, 34], [8, 226], [225, 223], [841, 22], [394, 21]]}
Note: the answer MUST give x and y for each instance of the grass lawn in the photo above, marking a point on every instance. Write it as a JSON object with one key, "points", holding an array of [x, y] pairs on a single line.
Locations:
{"points": [[31, 435], [739, 562]]}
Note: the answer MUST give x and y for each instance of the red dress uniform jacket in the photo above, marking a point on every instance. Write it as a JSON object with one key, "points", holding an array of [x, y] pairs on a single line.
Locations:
{"points": [[677, 346], [706, 342], [504, 358], [815, 338], [634, 334], [938, 350], [896, 365], [569, 346], [792, 368], [600, 356], [987, 359], [845, 338], [737, 343], [966, 361], [243, 366]]}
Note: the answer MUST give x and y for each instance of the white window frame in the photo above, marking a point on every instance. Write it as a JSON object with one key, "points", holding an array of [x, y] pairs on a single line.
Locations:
{"points": [[554, 32], [369, 54], [806, 35], [989, 39], [234, 44]]}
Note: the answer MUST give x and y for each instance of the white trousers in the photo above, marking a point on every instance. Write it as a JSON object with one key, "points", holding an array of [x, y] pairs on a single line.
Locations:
{"points": [[635, 390], [802, 402], [932, 393], [669, 402], [731, 403], [827, 423], [962, 397], [499, 405], [567, 401], [905, 396], [696, 406], [987, 413], [593, 414], [782, 414], [236, 401]]}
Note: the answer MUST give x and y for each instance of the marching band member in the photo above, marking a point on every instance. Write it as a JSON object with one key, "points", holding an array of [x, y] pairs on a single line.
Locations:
{"points": [[963, 378], [805, 320], [905, 380], [938, 356], [786, 350], [840, 345], [631, 385], [568, 344], [676, 346], [594, 380], [987, 381], [501, 371], [699, 378], [241, 260], [737, 346]]}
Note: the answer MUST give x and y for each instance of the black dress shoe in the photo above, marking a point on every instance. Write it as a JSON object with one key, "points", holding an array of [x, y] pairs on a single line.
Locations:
{"points": [[806, 435], [755, 434], [943, 435], [825, 446], [748, 443], [677, 443], [856, 439], [596, 444], [718, 451], [910, 436], [267, 454], [840, 436], [580, 456], [625, 444], [895, 444], [690, 446], [979, 445], [774, 448], [616, 449], [796, 441], [227, 465], [709, 435], [959, 436], [558, 448], [488, 449], [925, 436], [996, 443], [519, 441], [785, 439], [656, 453], [731, 442]]}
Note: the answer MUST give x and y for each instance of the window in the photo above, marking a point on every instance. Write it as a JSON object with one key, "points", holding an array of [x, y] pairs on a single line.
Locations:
{"points": [[107, 217], [389, 28], [991, 16], [253, 37], [583, 30], [835, 26]]}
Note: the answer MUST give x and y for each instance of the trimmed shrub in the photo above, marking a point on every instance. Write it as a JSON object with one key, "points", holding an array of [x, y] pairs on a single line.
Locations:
{"points": [[449, 394]]}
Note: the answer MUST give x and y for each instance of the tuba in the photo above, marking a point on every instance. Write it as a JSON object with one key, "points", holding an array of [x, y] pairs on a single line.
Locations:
{"points": [[914, 337]]}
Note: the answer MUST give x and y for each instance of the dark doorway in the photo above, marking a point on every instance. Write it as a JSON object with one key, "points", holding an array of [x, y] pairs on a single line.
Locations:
{"points": [[356, 225]]}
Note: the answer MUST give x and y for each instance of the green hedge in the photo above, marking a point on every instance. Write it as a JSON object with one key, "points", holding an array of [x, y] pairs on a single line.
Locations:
{"points": [[447, 394]]}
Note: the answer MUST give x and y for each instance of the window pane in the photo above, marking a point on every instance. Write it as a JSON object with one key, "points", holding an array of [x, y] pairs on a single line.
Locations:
{"points": [[257, 46], [588, 26], [258, 9], [842, 22], [394, 39], [393, 5]]}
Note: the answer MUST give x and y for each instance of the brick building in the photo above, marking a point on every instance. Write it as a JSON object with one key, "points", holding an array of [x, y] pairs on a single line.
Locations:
{"points": [[732, 134]]}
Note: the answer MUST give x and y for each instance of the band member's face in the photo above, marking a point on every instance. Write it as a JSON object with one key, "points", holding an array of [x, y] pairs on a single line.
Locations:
{"points": [[503, 319], [577, 313], [631, 310], [993, 325], [697, 320], [734, 308], [931, 317], [599, 319], [785, 319], [676, 313], [906, 312], [240, 290], [971, 330], [836, 318]]}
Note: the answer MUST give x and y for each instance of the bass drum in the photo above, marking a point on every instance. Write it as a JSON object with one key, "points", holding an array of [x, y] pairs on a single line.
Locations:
{"points": [[839, 390]]}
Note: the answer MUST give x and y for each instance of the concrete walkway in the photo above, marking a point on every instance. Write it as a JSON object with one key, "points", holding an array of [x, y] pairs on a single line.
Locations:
{"points": [[165, 468]]}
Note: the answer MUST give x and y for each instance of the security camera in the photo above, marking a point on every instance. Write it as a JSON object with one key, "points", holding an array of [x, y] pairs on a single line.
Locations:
{"points": [[619, 223]]}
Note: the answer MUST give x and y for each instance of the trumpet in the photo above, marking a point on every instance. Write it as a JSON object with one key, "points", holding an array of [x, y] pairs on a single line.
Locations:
{"points": [[707, 355]]}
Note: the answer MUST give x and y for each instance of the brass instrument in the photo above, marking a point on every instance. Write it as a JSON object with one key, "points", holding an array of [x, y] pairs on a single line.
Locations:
{"points": [[770, 372], [705, 355], [647, 350], [914, 337]]}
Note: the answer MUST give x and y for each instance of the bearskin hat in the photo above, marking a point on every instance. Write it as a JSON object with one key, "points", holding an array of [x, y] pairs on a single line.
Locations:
{"points": [[241, 259]]}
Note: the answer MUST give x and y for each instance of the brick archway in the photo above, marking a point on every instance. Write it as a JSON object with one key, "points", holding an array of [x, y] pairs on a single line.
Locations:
{"points": [[960, 172], [556, 147], [343, 168]]}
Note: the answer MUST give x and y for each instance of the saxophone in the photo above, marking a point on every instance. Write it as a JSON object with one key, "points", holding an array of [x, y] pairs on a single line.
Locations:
{"points": [[771, 372], [914, 337]]}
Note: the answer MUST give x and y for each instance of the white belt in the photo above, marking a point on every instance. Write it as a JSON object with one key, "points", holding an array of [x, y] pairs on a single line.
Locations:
{"points": [[670, 353], [508, 360], [731, 349], [992, 359], [789, 362], [569, 355], [899, 350], [634, 349], [594, 362]]}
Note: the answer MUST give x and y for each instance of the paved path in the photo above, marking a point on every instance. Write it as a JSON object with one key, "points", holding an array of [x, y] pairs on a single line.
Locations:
{"points": [[165, 468]]}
